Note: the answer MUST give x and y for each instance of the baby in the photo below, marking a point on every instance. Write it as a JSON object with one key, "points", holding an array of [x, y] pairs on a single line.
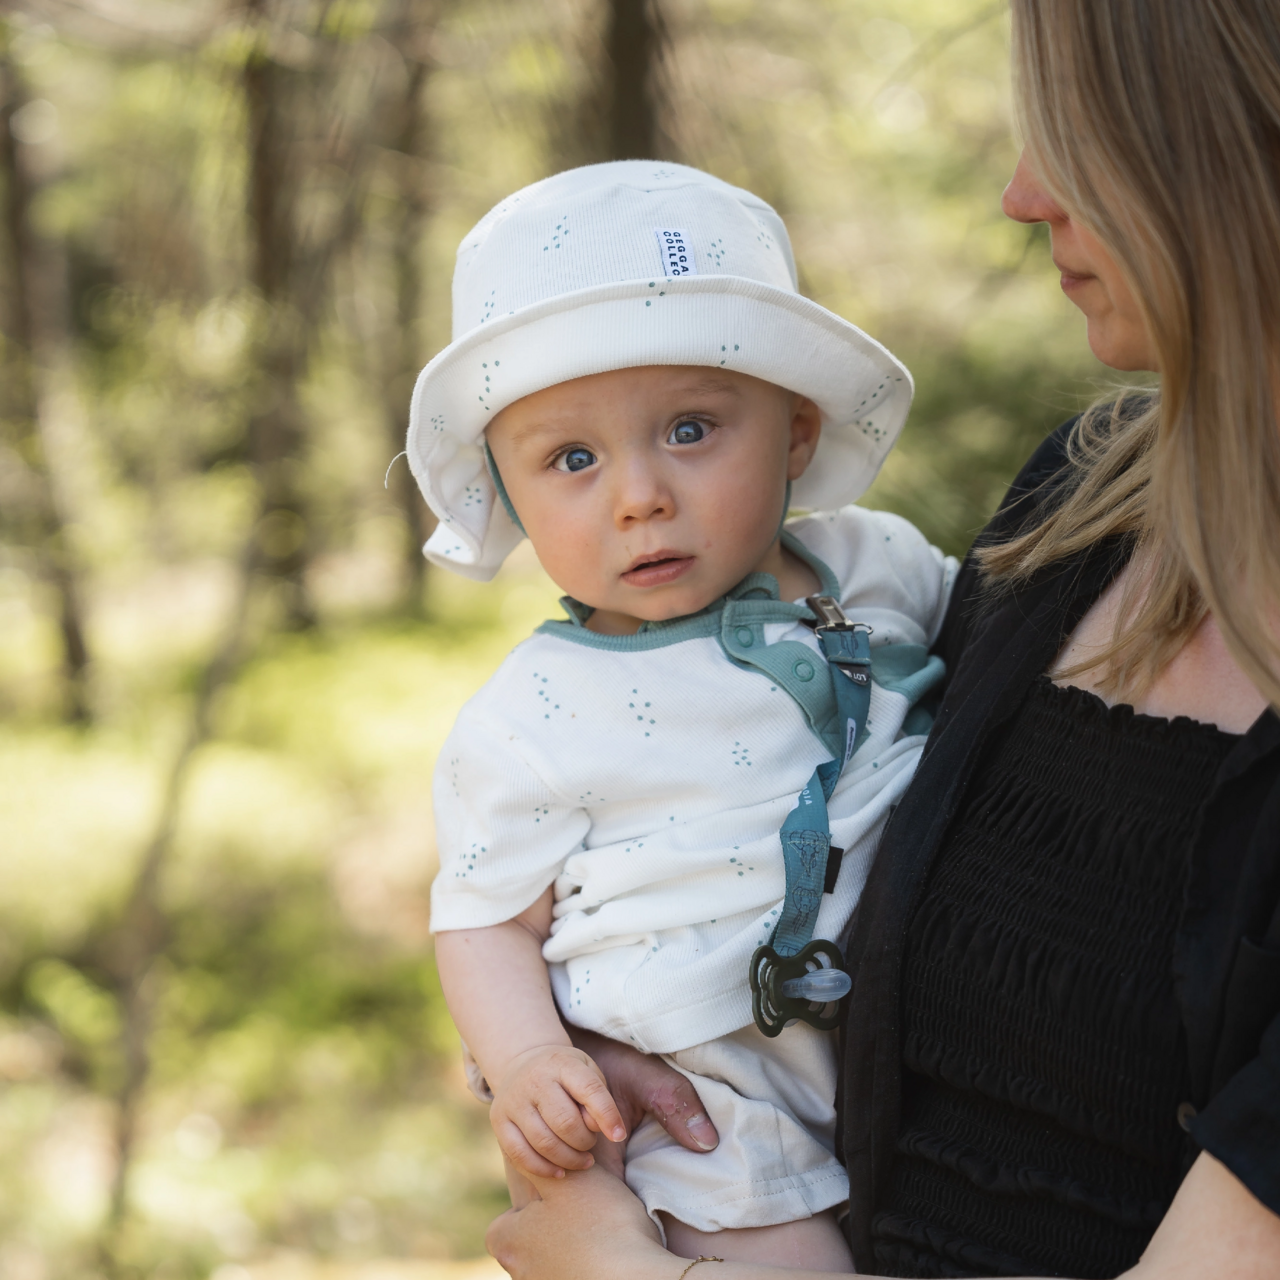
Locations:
{"points": [[656, 819]]}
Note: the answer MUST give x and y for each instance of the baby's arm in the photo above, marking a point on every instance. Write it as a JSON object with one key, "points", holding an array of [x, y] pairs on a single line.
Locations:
{"points": [[549, 1099]]}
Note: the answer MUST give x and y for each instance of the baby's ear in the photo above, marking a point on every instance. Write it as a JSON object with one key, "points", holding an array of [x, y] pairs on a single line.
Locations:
{"points": [[806, 428]]}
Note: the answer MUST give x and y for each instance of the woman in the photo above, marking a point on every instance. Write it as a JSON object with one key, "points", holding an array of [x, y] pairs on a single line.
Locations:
{"points": [[1063, 1049]]}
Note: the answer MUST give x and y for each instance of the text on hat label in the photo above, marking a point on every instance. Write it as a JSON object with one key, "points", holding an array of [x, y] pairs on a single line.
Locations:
{"points": [[677, 252]]}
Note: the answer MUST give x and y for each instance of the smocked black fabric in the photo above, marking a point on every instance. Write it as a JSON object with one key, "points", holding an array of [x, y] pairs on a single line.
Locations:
{"points": [[1226, 951], [1042, 1047], [1226, 954]]}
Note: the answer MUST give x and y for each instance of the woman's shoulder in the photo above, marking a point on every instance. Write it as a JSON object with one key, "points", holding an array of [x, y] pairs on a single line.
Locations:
{"points": [[1039, 483], [1040, 477], [1034, 489]]}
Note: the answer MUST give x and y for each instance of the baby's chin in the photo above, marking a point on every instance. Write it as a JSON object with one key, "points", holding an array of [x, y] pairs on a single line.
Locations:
{"points": [[624, 617]]}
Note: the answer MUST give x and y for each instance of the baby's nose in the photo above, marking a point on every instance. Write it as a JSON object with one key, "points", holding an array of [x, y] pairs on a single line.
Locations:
{"points": [[642, 495]]}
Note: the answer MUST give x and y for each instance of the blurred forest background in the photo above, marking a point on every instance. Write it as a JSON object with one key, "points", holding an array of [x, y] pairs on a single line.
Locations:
{"points": [[226, 246]]}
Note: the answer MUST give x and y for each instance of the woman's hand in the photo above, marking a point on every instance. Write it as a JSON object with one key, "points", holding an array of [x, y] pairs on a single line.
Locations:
{"points": [[585, 1226], [644, 1085], [588, 1225]]}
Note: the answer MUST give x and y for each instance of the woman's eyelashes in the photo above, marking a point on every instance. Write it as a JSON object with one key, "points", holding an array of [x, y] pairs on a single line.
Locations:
{"points": [[575, 459], [687, 431]]}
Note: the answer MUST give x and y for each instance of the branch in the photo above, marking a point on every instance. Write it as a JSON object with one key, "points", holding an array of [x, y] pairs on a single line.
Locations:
{"points": [[141, 933]]}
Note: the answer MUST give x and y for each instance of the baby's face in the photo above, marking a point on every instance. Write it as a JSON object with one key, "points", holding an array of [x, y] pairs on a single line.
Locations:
{"points": [[648, 493]]}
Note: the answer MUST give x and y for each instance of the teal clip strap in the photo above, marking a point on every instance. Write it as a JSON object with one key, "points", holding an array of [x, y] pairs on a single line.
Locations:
{"points": [[806, 834], [794, 975]]}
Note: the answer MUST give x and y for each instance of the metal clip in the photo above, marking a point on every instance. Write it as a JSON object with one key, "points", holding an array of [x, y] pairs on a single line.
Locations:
{"points": [[831, 617], [828, 611]]}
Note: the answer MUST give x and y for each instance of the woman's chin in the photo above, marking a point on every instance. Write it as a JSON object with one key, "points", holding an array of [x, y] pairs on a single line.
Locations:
{"points": [[1120, 349]]}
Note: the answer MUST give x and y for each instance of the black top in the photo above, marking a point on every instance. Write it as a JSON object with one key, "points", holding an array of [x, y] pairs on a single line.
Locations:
{"points": [[1226, 955], [1042, 1051]]}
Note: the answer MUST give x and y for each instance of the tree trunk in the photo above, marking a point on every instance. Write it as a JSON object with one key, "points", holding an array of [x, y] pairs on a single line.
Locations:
{"points": [[129, 951], [633, 44], [292, 283], [277, 427], [409, 138], [30, 324]]}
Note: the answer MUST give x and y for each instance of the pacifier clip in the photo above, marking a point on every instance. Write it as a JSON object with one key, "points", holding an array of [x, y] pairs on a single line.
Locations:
{"points": [[795, 975]]}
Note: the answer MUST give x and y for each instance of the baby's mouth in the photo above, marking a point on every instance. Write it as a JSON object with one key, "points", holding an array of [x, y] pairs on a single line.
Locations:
{"points": [[657, 568]]}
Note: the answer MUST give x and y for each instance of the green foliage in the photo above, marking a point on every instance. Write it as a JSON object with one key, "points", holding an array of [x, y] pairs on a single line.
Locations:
{"points": [[305, 1092], [83, 1014]]}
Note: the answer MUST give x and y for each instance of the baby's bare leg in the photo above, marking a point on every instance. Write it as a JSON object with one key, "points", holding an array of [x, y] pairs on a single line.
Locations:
{"points": [[815, 1243]]}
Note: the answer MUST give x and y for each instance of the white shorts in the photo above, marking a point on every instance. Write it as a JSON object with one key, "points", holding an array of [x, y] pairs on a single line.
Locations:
{"points": [[773, 1103]]}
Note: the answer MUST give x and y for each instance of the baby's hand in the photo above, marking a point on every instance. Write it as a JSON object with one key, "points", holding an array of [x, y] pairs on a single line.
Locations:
{"points": [[547, 1109]]}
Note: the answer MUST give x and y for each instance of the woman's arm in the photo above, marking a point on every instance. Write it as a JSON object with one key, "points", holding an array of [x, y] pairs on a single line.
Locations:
{"points": [[1215, 1227], [590, 1225]]}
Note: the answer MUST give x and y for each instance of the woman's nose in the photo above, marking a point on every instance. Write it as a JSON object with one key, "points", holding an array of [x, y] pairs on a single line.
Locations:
{"points": [[1025, 200]]}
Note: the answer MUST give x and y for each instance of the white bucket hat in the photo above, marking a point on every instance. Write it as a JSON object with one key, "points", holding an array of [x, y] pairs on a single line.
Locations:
{"points": [[617, 265]]}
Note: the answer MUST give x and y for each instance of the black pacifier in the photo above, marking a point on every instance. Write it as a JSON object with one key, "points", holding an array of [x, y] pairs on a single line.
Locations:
{"points": [[808, 985]]}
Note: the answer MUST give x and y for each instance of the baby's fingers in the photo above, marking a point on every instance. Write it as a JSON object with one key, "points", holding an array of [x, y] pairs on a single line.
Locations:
{"points": [[565, 1119], [538, 1141], [552, 1145], [534, 1150], [588, 1089]]}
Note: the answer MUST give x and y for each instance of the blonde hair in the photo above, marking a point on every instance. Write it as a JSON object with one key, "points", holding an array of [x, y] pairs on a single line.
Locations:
{"points": [[1156, 125]]}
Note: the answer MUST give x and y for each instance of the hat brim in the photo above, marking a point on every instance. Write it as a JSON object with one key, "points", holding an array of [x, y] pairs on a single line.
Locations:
{"points": [[727, 322]]}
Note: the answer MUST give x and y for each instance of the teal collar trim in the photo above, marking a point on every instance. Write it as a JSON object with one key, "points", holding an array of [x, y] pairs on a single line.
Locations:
{"points": [[755, 602], [737, 622]]}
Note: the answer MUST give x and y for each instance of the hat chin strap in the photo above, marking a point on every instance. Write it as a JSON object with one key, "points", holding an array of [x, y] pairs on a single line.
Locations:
{"points": [[786, 508], [496, 476]]}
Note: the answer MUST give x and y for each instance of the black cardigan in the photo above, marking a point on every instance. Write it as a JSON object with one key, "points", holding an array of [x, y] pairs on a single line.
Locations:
{"points": [[1227, 960]]}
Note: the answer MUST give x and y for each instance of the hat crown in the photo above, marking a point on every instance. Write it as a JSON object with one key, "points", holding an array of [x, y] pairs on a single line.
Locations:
{"points": [[609, 223]]}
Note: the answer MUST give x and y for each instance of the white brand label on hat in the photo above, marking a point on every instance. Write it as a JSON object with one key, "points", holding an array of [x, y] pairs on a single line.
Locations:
{"points": [[677, 253]]}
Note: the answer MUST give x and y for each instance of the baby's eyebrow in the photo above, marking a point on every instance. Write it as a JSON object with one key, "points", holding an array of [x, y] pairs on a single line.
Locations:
{"points": [[711, 385], [536, 429]]}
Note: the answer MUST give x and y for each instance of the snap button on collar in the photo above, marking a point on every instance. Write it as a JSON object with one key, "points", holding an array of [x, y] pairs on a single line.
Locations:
{"points": [[744, 637], [803, 670]]}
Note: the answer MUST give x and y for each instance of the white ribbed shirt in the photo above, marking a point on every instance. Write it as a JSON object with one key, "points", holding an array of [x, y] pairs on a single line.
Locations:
{"points": [[647, 777]]}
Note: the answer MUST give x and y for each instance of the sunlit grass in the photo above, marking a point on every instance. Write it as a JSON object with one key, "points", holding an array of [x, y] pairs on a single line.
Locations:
{"points": [[305, 1092]]}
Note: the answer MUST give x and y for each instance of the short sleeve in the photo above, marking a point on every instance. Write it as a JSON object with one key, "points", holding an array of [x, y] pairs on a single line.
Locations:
{"points": [[502, 833], [925, 576]]}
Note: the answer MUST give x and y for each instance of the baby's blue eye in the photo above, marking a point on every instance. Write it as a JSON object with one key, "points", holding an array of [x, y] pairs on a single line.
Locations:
{"points": [[687, 432], [575, 460]]}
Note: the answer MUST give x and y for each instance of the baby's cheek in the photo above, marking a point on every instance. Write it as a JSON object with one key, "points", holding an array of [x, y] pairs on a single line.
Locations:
{"points": [[574, 560]]}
